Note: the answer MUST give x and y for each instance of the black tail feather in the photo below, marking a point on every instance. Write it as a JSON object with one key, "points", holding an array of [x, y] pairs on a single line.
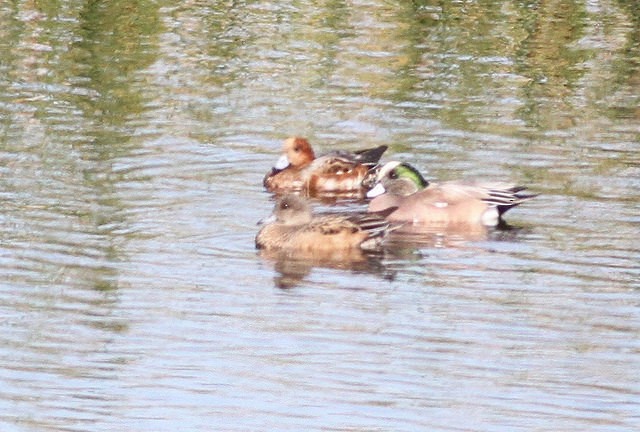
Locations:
{"points": [[370, 156], [505, 199]]}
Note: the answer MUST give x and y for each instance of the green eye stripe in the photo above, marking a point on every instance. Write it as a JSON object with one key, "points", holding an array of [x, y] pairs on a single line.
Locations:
{"points": [[409, 172]]}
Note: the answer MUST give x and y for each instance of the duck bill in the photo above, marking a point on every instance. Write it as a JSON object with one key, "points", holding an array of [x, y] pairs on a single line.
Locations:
{"points": [[376, 191], [282, 162], [267, 220]]}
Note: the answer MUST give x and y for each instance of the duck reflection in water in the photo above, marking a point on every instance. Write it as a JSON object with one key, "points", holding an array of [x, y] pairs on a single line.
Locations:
{"points": [[434, 236], [293, 267], [297, 240]]}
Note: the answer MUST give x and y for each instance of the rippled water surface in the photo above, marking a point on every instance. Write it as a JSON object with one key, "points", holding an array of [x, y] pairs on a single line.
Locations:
{"points": [[134, 136]]}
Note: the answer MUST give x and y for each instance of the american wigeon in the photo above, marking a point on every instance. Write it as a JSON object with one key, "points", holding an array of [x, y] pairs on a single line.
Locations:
{"points": [[400, 185], [292, 226], [339, 171]]}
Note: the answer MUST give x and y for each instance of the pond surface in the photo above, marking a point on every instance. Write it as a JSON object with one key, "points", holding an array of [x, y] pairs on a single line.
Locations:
{"points": [[134, 136]]}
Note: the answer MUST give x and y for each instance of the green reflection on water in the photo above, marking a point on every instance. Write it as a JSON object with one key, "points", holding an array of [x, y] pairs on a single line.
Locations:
{"points": [[115, 40], [77, 82], [72, 87]]}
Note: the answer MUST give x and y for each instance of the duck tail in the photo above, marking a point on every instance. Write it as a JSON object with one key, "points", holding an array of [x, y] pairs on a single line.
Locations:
{"points": [[505, 199], [375, 225], [370, 156]]}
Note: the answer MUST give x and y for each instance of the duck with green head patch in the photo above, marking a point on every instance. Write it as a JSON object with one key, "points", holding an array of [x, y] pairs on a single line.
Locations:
{"points": [[398, 184]]}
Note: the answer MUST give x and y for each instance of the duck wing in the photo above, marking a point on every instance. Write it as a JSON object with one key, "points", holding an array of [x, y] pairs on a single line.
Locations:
{"points": [[369, 157]]}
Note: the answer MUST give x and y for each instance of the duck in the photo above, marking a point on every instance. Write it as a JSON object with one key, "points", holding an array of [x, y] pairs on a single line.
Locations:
{"points": [[293, 227], [339, 171], [465, 202]]}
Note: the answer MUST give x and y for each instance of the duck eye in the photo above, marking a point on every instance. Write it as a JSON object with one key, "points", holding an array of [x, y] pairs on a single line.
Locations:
{"points": [[393, 175], [284, 205], [296, 149]]}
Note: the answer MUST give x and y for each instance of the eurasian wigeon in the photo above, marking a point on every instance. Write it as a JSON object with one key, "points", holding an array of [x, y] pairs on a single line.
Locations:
{"points": [[336, 172], [400, 185], [292, 226]]}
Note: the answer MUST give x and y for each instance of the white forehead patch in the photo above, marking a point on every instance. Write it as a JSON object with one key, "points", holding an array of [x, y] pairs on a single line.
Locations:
{"points": [[387, 168]]}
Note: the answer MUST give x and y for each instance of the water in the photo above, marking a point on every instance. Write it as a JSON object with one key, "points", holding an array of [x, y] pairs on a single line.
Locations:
{"points": [[134, 138]]}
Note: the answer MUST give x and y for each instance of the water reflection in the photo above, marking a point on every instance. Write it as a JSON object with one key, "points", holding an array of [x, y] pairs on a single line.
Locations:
{"points": [[552, 63], [133, 138], [407, 243], [438, 236], [294, 267]]}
